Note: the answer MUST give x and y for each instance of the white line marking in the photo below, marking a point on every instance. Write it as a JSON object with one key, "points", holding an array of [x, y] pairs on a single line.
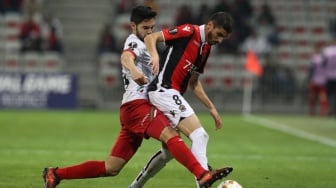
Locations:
{"points": [[289, 130]]}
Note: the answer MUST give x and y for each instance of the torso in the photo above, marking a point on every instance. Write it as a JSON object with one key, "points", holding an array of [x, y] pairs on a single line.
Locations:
{"points": [[182, 57], [132, 90]]}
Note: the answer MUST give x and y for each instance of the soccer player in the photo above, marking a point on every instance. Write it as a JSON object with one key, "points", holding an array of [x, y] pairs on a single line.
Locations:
{"points": [[188, 48], [317, 83], [139, 119]]}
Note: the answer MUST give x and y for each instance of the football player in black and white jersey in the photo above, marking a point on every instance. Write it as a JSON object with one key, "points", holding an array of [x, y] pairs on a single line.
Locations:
{"points": [[181, 64]]}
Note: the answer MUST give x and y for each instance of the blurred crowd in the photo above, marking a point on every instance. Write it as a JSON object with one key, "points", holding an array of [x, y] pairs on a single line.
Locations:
{"points": [[38, 31], [254, 27]]}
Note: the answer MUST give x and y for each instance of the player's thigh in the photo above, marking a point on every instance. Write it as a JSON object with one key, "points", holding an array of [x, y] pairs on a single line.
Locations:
{"points": [[189, 124], [172, 104], [157, 127], [126, 144]]}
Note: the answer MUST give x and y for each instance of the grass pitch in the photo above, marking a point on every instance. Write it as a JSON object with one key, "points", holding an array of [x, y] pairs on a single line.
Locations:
{"points": [[265, 151]]}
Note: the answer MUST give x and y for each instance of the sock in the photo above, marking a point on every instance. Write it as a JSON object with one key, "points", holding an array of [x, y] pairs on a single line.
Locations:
{"points": [[153, 166], [182, 154], [89, 169], [199, 139]]}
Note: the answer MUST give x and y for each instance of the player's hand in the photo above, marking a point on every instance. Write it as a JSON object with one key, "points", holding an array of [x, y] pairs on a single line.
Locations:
{"points": [[217, 118], [141, 81], [139, 77], [154, 61]]}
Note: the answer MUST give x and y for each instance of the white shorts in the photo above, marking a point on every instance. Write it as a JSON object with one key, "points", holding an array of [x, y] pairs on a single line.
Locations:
{"points": [[172, 104]]}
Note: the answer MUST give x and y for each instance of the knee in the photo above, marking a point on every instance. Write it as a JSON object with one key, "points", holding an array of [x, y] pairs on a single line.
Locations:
{"points": [[113, 166], [166, 155], [204, 136], [199, 135], [111, 170]]}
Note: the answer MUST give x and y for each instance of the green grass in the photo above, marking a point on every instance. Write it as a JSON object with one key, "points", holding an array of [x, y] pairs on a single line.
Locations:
{"points": [[261, 157]]}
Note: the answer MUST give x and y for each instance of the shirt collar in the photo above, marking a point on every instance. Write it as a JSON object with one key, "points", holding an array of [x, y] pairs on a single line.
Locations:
{"points": [[202, 32]]}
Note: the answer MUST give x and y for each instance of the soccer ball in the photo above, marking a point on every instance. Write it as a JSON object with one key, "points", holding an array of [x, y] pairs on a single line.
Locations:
{"points": [[229, 184]]}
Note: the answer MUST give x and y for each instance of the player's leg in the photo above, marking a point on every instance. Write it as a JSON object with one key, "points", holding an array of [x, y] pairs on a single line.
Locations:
{"points": [[124, 148], [182, 116], [175, 107], [323, 101], [88, 169], [192, 128], [153, 166], [182, 153], [160, 158], [160, 129]]}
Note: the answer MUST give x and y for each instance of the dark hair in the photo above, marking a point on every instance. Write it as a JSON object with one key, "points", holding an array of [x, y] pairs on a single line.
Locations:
{"points": [[141, 13], [222, 19]]}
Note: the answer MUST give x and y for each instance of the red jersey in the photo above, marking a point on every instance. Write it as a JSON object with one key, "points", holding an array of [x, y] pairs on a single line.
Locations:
{"points": [[186, 52]]}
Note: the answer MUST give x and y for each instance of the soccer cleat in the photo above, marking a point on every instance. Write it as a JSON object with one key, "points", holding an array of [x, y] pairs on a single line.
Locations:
{"points": [[210, 177], [50, 178]]}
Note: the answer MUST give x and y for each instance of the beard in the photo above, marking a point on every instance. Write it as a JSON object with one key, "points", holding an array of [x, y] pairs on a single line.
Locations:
{"points": [[138, 34], [210, 39]]}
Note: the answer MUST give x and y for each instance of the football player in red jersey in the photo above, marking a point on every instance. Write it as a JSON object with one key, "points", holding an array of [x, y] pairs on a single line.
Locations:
{"points": [[188, 48]]}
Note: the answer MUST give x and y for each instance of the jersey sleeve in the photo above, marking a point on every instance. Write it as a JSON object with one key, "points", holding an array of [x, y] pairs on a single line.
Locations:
{"points": [[180, 31], [133, 46]]}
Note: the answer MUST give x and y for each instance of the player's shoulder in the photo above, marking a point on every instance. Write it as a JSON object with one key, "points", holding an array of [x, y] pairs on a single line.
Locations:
{"points": [[132, 38], [183, 30], [186, 28], [133, 42]]}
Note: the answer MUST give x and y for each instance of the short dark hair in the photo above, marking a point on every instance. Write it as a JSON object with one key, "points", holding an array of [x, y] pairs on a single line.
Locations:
{"points": [[222, 19], [141, 13]]}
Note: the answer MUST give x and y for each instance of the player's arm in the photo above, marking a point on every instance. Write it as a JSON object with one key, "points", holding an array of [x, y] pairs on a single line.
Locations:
{"points": [[127, 60], [151, 40], [196, 87]]}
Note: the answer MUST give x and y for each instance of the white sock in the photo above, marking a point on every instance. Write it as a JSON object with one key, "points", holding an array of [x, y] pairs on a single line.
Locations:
{"points": [[153, 166], [199, 140]]}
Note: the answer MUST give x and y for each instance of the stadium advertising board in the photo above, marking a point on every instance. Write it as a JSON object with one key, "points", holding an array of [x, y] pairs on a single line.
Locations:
{"points": [[38, 90]]}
